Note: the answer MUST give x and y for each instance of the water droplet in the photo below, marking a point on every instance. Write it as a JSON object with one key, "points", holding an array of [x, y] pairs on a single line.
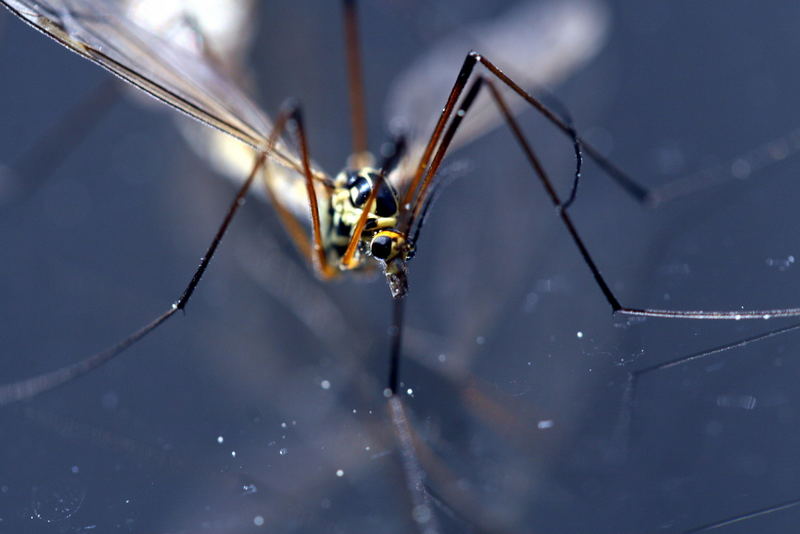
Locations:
{"points": [[545, 424], [325, 384], [421, 513], [339, 473], [258, 521], [57, 501]]}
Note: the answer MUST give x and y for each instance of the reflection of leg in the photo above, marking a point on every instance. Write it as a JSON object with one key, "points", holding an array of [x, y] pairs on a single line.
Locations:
{"points": [[625, 424], [36, 165]]}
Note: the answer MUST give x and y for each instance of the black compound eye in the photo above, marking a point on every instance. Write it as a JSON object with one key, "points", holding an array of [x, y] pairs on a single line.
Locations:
{"points": [[351, 178], [381, 246], [385, 204], [359, 191]]}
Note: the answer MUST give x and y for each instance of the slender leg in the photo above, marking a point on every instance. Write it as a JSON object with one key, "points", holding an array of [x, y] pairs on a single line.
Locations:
{"points": [[437, 139], [625, 423], [25, 389], [422, 512], [355, 82], [393, 154], [291, 113], [744, 517]]}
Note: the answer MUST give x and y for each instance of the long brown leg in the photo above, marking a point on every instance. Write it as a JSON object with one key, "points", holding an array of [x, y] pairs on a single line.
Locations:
{"points": [[291, 113], [390, 160], [27, 388], [355, 83], [443, 142]]}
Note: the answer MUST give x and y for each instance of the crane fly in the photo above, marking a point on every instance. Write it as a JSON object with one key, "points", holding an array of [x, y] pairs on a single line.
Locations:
{"points": [[363, 218]]}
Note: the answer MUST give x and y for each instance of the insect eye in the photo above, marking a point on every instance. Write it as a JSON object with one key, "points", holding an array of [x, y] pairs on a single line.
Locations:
{"points": [[352, 176], [381, 246], [360, 188], [385, 204]]}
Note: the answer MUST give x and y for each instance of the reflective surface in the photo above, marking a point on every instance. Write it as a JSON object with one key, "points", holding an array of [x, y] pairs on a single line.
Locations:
{"points": [[518, 372]]}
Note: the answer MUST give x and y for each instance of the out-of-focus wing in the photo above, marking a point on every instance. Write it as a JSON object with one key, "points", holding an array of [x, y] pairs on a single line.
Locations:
{"points": [[104, 34], [225, 25], [219, 31], [536, 43]]}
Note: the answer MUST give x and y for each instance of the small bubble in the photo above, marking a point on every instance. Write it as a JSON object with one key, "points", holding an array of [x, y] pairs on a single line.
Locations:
{"points": [[249, 489], [75, 469], [545, 424], [233, 454], [339, 473], [325, 384], [386, 393], [741, 169], [258, 521], [284, 451], [410, 392], [579, 334], [283, 425], [220, 439], [442, 357], [480, 340], [421, 513]]}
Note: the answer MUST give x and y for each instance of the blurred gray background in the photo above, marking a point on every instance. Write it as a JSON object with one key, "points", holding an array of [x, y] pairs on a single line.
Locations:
{"points": [[525, 421]]}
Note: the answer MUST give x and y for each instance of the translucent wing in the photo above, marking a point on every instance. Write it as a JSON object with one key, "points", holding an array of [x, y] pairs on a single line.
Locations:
{"points": [[104, 34], [218, 31], [536, 43]]}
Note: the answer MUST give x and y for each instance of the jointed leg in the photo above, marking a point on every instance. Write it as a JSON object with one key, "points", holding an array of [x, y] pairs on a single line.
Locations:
{"points": [[419, 186], [291, 113], [31, 387]]}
